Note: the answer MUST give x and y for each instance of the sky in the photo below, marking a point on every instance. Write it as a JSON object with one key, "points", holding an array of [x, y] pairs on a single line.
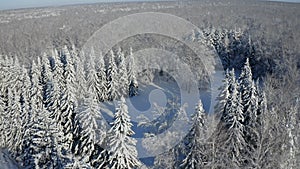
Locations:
{"points": [[15, 4]]}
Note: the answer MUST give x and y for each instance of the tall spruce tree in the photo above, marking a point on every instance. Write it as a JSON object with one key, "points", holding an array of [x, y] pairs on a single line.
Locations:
{"points": [[46, 78], [102, 78], [121, 146], [123, 85], [93, 82], [68, 101], [81, 87], [195, 158], [249, 100], [92, 129], [133, 83], [112, 86], [222, 98], [230, 134]]}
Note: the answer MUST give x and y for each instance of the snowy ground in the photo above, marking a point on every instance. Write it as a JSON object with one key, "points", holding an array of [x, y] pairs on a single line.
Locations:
{"points": [[6, 162], [154, 112]]}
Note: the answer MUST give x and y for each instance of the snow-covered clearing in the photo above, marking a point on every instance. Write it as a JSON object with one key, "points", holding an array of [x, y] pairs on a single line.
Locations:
{"points": [[161, 113]]}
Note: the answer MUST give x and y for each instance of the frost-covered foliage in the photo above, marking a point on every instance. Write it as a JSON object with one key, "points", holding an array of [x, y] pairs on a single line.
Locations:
{"points": [[112, 86], [93, 82], [92, 130], [122, 74], [50, 116], [133, 84], [195, 158], [247, 131], [101, 75], [121, 146]]}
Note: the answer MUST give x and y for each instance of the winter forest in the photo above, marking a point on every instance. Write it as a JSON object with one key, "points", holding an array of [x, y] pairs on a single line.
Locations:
{"points": [[61, 107]]}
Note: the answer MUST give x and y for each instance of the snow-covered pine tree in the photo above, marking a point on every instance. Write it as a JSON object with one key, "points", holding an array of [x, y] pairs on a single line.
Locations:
{"points": [[58, 107], [53, 100], [112, 86], [102, 78], [36, 91], [230, 134], [25, 107], [25, 91], [290, 158], [58, 70], [253, 122], [9, 121], [81, 87], [16, 121], [222, 98], [247, 90], [262, 103], [8, 76], [2, 125], [121, 146], [3, 100], [195, 158], [249, 96], [68, 102], [261, 154], [235, 142], [133, 84], [92, 129], [41, 151], [119, 56], [123, 85], [35, 107], [93, 82], [46, 78]]}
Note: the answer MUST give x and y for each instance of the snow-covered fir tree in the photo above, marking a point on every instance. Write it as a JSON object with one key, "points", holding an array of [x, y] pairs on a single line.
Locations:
{"points": [[248, 93], [25, 107], [53, 100], [46, 78], [68, 103], [9, 122], [92, 129], [231, 142], [16, 121], [112, 86], [35, 106], [102, 78], [195, 158], [2, 124], [123, 85], [81, 87], [290, 158], [121, 146], [222, 98], [93, 81], [58, 70], [40, 151], [36, 89], [249, 100], [133, 83]]}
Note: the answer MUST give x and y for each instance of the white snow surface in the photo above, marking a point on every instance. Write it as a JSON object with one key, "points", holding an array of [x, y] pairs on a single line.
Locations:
{"points": [[6, 161], [157, 93]]}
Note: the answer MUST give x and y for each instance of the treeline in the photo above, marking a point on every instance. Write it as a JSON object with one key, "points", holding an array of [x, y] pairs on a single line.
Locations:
{"points": [[50, 115]]}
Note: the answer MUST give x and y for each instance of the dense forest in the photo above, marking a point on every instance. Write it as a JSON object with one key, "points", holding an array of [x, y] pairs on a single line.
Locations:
{"points": [[53, 96], [51, 118]]}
